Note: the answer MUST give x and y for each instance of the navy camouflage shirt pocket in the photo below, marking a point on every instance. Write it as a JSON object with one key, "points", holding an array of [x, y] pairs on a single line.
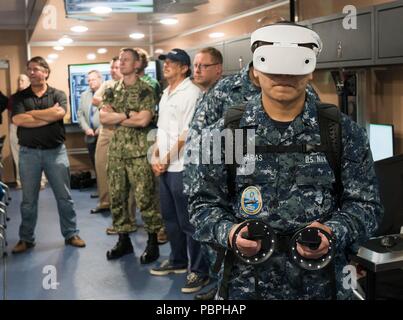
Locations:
{"points": [[313, 189]]}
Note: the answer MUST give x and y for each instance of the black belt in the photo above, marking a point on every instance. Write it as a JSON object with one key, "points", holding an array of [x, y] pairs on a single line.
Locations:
{"points": [[40, 147]]}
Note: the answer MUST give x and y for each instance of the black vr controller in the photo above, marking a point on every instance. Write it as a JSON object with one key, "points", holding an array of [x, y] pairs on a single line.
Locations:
{"points": [[306, 236], [309, 237], [257, 230]]}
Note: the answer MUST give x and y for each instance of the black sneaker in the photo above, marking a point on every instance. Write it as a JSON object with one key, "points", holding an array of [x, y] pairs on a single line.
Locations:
{"points": [[166, 268], [194, 282], [208, 295]]}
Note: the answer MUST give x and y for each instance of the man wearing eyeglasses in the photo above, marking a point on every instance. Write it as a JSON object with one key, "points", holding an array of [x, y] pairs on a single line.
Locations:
{"points": [[38, 112], [226, 92], [208, 69], [88, 114]]}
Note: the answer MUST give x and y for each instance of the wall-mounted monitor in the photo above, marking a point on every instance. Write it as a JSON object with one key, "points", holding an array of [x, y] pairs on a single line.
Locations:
{"points": [[78, 82], [390, 179], [152, 70], [381, 141], [82, 7]]}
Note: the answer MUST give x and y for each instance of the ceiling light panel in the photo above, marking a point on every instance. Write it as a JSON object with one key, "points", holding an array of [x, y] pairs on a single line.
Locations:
{"points": [[169, 21], [137, 35], [215, 35], [102, 50], [65, 40], [79, 29]]}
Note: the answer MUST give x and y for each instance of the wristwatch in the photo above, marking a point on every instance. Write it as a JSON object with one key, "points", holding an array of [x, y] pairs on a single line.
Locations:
{"points": [[127, 114]]}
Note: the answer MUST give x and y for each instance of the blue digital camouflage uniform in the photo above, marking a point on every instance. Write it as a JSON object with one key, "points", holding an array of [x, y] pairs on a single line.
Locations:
{"points": [[210, 107], [229, 91], [296, 191]]}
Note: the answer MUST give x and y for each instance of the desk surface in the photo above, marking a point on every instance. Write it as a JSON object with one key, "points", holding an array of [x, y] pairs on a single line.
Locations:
{"points": [[376, 258]]}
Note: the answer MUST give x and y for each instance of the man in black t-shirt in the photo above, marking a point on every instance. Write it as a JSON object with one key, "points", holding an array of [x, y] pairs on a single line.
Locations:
{"points": [[3, 104], [38, 112]]}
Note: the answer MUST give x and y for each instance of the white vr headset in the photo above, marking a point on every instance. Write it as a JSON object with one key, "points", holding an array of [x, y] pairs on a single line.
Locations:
{"points": [[284, 49]]}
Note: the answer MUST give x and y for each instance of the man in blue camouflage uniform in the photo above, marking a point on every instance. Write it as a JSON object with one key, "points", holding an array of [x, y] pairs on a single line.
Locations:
{"points": [[229, 91], [296, 190], [207, 71]]}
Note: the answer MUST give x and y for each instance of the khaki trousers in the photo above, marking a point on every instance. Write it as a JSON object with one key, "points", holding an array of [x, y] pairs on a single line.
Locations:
{"points": [[101, 159]]}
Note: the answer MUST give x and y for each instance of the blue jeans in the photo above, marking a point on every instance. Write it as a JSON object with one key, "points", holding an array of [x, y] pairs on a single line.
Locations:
{"points": [[55, 164], [180, 232]]}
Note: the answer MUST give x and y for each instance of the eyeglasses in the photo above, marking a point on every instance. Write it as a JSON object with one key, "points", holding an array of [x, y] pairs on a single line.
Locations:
{"points": [[203, 66]]}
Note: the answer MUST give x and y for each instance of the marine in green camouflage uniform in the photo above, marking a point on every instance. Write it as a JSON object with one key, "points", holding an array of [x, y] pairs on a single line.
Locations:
{"points": [[127, 161]]}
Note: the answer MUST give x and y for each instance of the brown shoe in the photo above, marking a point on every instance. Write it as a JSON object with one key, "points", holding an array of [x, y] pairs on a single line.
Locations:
{"points": [[162, 236], [75, 241], [22, 246], [110, 231]]}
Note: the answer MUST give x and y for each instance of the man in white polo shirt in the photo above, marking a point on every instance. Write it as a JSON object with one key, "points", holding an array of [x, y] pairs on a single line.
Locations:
{"points": [[176, 109]]}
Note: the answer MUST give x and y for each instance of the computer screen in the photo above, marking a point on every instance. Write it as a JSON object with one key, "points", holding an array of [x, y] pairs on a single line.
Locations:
{"points": [[390, 178], [151, 70], [78, 82], [80, 7], [381, 141]]}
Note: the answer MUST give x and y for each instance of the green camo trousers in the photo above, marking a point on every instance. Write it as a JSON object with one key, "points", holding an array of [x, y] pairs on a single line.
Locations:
{"points": [[123, 175]]}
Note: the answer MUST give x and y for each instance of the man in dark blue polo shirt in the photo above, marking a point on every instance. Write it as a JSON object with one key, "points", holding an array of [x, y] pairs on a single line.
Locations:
{"points": [[38, 112]]}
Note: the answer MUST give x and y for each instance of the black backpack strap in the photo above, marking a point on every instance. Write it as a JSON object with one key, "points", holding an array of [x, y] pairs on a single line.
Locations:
{"points": [[233, 116], [329, 118], [228, 264], [232, 119]]}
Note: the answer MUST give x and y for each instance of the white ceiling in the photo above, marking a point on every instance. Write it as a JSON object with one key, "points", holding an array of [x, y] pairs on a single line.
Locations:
{"points": [[196, 18]]}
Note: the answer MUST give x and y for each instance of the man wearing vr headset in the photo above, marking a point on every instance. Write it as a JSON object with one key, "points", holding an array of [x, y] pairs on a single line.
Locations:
{"points": [[287, 190], [229, 91]]}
